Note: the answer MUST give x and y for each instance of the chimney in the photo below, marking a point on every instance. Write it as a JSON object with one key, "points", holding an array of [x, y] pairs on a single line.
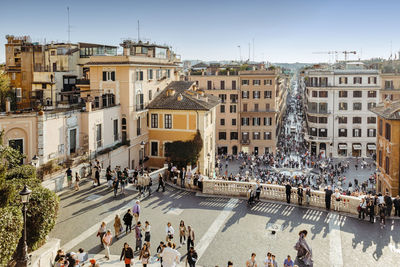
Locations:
{"points": [[8, 105]]}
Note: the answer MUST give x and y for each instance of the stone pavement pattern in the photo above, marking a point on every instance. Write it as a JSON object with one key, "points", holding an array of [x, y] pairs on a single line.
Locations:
{"points": [[227, 229]]}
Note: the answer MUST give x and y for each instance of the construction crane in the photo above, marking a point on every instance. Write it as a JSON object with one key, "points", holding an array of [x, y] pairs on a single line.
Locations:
{"points": [[348, 52], [336, 53]]}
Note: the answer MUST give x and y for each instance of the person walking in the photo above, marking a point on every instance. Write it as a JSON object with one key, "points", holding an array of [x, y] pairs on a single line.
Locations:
{"points": [[161, 183], [304, 251], [136, 211], [128, 220], [123, 181], [288, 262], [101, 232], [127, 255], [97, 176], [362, 209], [382, 213], [182, 232], [138, 237], [107, 239], [69, 177], [192, 257], [117, 226], [77, 179], [337, 199], [371, 209], [115, 186], [388, 204], [170, 232], [147, 234], [183, 176], [328, 197], [308, 195], [145, 255], [300, 194], [288, 192], [170, 256], [190, 237], [252, 261], [258, 190], [396, 204]]}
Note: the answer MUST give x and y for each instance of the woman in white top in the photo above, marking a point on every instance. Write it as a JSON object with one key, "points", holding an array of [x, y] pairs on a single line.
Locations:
{"points": [[337, 198], [146, 230], [170, 232]]}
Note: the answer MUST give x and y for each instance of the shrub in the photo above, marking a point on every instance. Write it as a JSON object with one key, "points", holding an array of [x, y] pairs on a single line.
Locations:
{"points": [[184, 153], [21, 172], [11, 223]]}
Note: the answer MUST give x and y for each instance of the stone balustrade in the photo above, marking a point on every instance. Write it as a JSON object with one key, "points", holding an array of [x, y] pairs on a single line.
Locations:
{"points": [[277, 193]]}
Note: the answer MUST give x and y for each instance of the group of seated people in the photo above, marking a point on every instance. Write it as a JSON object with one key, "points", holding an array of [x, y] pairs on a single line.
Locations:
{"points": [[73, 259]]}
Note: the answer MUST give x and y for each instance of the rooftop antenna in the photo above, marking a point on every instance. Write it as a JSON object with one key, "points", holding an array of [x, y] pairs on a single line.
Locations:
{"points": [[249, 52], [240, 54], [253, 49], [138, 31], [69, 27]]}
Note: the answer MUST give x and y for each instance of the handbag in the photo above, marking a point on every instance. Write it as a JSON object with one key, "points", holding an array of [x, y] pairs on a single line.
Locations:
{"points": [[127, 261], [121, 228]]}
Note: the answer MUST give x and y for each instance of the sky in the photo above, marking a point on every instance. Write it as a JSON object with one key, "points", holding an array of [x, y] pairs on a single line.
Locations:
{"points": [[282, 30]]}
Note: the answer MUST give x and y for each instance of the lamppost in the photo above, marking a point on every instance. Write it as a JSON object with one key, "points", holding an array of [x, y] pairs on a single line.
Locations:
{"points": [[22, 257], [35, 160], [208, 163], [142, 144]]}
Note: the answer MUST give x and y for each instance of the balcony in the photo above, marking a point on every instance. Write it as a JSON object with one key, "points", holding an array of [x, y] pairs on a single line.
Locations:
{"points": [[245, 141]]}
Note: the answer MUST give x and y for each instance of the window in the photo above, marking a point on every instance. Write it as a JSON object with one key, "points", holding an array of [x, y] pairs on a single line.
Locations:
{"points": [[388, 84], [154, 120], [158, 74], [168, 73], [256, 135], [267, 121], [371, 120], [222, 135], [116, 130], [233, 85], [256, 121], [267, 107], [267, 135], [168, 121], [380, 127], [209, 85], [222, 84], [232, 108], [245, 82], [245, 94], [267, 82], [267, 94], [371, 93], [388, 132], [139, 75], [387, 165], [322, 132], [150, 95], [342, 106], [314, 93], [357, 120], [222, 109], [256, 94], [108, 76], [245, 121], [150, 74], [380, 158], [257, 82], [99, 136], [342, 132], [323, 93], [312, 106], [312, 119], [234, 136], [222, 122], [234, 98], [43, 86], [323, 107], [245, 107], [343, 80], [233, 122], [313, 131], [372, 80], [222, 97], [138, 127], [322, 120], [357, 93], [342, 94], [96, 102], [371, 105], [357, 106], [356, 132], [371, 132], [357, 80], [256, 107], [342, 120], [154, 149]]}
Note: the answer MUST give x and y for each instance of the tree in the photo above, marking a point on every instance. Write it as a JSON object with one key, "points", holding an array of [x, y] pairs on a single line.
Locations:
{"points": [[5, 90], [184, 153]]}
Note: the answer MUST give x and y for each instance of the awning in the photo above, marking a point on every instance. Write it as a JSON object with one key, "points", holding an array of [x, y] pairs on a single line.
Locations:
{"points": [[357, 147], [371, 147], [343, 147]]}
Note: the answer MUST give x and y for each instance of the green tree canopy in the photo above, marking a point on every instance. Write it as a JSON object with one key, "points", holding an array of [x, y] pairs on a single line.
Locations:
{"points": [[183, 153]]}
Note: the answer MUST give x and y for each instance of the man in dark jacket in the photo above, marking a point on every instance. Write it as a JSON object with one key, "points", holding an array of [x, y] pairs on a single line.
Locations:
{"points": [[128, 217], [300, 194], [396, 203], [328, 197], [161, 183], [288, 191], [388, 203]]}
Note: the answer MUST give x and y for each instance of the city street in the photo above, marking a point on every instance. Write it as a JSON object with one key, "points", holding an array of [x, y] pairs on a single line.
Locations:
{"points": [[226, 229]]}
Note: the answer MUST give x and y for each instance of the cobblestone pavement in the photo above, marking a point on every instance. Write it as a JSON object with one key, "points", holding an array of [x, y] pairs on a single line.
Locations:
{"points": [[227, 229]]}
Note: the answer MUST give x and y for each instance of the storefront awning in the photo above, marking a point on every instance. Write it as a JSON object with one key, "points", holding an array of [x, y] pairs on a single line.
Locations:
{"points": [[357, 147], [343, 147], [371, 147]]}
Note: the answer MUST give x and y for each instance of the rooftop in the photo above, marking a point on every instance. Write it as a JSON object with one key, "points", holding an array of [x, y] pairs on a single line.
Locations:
{"points": [[182, 95], [388, 110]]}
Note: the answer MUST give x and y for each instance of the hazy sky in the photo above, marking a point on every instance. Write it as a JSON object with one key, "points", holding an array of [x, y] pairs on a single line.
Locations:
{"points": [[283, 30]]}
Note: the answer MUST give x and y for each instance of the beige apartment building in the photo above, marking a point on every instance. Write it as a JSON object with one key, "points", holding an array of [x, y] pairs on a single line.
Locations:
{"points": [[250, 113], [390, 86]]}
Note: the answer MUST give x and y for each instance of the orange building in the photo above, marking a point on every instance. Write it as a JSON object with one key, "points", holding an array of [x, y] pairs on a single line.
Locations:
{"points": [[176, 114], [388, 147]]}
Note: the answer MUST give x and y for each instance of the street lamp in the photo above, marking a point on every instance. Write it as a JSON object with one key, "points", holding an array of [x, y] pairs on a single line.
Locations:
{"points": [[208, 161], [22, 257], [35, 160], [142, 144]]}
